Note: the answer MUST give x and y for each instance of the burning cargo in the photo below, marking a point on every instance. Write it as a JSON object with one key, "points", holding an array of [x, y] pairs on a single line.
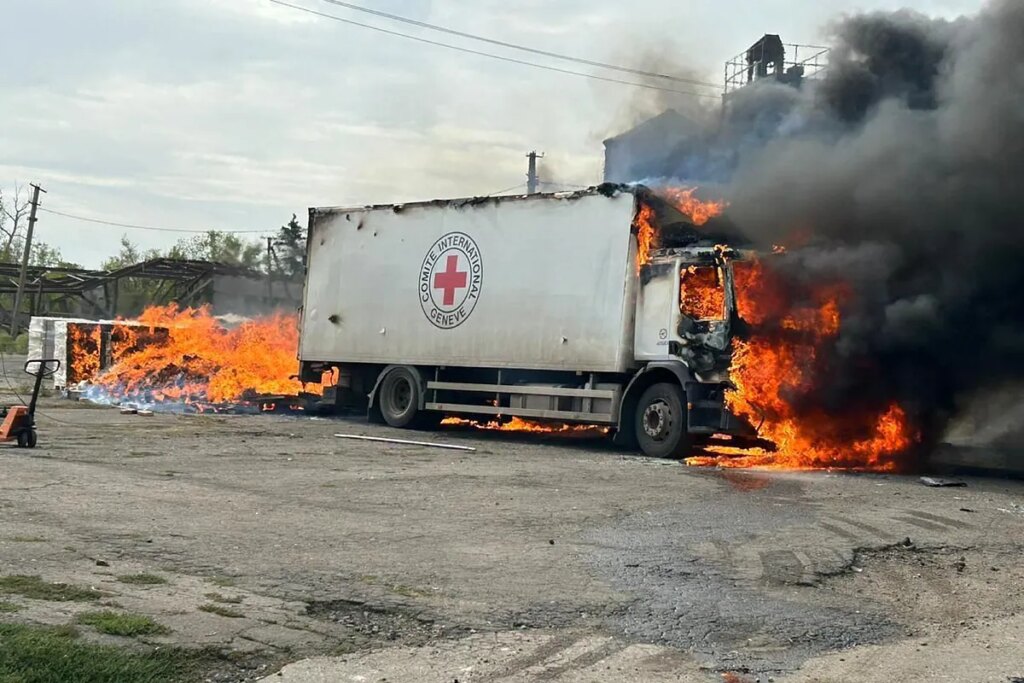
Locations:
{"points": [[86, 348], [179, 360]]}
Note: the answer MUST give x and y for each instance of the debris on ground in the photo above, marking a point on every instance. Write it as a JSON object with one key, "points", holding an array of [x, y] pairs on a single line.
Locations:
{"points": [[942, 483], [405, 442]]}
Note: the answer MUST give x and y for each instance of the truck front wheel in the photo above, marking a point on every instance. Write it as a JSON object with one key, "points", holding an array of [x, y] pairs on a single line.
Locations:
{"points": [[398, 401], [660, 422]]}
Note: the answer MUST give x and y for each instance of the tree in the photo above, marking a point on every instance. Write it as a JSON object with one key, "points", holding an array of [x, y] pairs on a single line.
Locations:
{"points": [[218, 247], [129, 255], [291, 248], [134, 294], [13, 215], [45, 255]]}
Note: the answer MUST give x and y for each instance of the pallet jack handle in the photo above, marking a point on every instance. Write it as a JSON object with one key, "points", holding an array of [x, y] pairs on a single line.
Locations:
{"points": [[47, 368]]}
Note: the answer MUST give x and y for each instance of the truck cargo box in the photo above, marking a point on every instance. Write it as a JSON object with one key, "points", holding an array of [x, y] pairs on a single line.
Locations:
{"points": [[532, 282]]}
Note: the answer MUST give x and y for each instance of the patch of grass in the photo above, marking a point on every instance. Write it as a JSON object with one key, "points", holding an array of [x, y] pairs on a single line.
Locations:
{"points": [[217, 597], [221, 611], [142, 579], [8, 607], [9, 344], [28, 539], [32, 654], [121, 623], [34, 587], [222, 581]]}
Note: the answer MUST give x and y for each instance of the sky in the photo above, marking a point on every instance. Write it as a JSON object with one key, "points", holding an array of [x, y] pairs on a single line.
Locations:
{"points": [[235, 114]]}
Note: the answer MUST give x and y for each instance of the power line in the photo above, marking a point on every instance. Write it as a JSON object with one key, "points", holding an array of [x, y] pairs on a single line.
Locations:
{"points": [[507, 189], [146, 227], [490, 55], [523, 48], [573, 185]]}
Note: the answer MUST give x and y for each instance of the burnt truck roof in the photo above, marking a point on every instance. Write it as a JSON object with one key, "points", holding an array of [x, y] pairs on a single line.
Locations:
{"points": [[677, 228], [606, 189]]}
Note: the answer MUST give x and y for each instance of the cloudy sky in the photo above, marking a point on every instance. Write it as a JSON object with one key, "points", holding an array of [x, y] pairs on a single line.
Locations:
{"points": [[233, 114]]}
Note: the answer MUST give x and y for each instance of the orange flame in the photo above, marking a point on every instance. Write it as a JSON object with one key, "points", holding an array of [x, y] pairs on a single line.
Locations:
{"points": [[645, 235], [517, 424], [84, 344], [190, 357], [701, 294], [780, 361], [683, 199]]}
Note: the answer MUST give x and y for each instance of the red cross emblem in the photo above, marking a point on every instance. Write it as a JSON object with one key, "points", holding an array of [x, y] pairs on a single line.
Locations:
{"points": [[451, 279]]}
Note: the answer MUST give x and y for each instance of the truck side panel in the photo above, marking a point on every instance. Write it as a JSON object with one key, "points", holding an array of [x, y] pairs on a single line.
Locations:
{"points": [[531, 282]]}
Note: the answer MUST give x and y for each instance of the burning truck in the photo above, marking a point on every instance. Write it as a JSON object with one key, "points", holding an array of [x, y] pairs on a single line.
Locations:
{"points": [[616, 309], [614, 306]]}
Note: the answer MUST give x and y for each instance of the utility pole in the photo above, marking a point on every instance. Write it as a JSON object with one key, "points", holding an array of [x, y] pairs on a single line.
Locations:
{"points": [[531, 174], [24, 260]]}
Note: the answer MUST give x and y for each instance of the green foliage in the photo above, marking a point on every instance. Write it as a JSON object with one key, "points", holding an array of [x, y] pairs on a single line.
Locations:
{"points": [[291, 248], [42, 254], [30, 654], [34, 587], [221, 611], [219, 247], [9, 344], [121, 623], [134, 294], [7, 607], [222, 581], [129, 255], [142, 579]]}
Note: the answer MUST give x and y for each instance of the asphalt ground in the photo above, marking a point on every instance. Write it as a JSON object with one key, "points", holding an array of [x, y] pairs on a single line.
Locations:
{"points": [[528, 558]]}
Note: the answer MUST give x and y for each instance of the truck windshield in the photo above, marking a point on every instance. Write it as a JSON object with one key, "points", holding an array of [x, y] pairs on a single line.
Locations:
{"points": [[702, 292]]}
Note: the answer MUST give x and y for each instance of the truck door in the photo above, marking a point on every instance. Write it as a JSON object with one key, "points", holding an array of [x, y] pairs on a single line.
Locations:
{"points": [[706, 305]]}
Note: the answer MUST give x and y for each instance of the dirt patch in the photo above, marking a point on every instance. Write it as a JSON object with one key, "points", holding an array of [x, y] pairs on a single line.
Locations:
{"points": [[373, 626], [955, 587]]}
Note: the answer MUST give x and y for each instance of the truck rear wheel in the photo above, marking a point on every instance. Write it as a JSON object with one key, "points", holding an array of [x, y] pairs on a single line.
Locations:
{"points": [[660, 422], [399, 404]]}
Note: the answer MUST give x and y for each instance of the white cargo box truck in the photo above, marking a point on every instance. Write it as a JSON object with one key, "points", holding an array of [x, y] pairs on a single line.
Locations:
{"points": [[533, 306]]}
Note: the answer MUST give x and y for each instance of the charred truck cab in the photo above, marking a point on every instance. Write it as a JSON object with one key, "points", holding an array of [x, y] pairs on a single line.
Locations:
{"points": [[686, 308], [542, 307]]}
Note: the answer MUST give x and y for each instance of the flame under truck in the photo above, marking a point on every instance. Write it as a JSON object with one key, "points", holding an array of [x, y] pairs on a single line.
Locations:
{"points": [[534, 306]]}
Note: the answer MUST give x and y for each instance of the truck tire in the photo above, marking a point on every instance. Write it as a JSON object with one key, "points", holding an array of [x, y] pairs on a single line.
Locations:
{"points": [[397, 399], [660, 422]]}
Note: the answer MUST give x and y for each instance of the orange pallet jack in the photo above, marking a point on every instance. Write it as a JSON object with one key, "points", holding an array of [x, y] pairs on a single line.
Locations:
{"points": [[20, 421]]}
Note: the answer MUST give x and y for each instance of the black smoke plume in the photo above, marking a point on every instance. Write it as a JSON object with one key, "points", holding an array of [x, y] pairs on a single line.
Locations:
{"points": [[901, 172]]}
